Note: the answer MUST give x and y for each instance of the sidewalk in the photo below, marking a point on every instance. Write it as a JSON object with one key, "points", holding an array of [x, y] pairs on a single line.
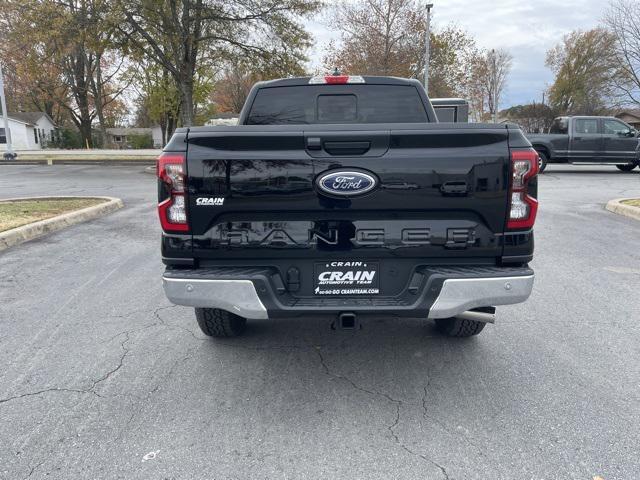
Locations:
{"points": [[84, 156]]}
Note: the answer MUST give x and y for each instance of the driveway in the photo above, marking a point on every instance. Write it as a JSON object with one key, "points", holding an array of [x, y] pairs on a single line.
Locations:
{"points": [[102, 378]]}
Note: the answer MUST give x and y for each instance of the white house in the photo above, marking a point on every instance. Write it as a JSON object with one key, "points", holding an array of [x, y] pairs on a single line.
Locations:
{"points": [[156, 134], [117, 137], [29, 130]]}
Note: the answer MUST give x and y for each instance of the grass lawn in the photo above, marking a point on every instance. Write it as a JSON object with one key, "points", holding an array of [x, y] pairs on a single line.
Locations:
{"points": [[634, 203], [21, 212]]}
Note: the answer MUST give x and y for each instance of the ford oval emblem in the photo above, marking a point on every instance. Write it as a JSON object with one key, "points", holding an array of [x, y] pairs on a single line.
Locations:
{"points": [[346, 183]]}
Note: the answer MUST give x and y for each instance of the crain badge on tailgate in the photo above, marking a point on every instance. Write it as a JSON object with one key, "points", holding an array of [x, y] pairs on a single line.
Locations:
{"points": [[210, 201], [346, 183]]}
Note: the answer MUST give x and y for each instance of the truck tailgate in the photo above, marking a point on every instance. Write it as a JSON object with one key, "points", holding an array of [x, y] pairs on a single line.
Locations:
{"points": [[440, 192]]}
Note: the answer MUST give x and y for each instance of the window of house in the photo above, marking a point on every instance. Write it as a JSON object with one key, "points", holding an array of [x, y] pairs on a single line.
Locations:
{"points": [[35, 134], [117, 138], [587, 125], [3, 136]]}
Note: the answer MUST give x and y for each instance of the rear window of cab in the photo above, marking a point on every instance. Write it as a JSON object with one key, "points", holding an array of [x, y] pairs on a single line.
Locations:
{"points": [[323, 104]]}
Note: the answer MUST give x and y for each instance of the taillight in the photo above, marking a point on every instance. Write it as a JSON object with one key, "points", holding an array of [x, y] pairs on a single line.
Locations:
{"points": [[170, 168], [336, 79], [522, 206]]}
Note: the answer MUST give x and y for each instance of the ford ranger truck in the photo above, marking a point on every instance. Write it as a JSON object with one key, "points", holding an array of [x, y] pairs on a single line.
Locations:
{"points": [[343, 196]]}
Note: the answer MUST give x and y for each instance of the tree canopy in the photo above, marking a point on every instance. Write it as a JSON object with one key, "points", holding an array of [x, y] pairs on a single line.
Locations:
{"points": [[184, 35], [586, 70], [387, 37]]}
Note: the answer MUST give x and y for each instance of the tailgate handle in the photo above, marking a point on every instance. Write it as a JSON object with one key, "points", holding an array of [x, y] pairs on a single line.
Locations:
{"points": [[347, 148], [454, 188]]}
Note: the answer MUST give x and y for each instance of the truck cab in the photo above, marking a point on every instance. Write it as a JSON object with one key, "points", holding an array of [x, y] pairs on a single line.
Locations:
{"points": [[588, 140]]}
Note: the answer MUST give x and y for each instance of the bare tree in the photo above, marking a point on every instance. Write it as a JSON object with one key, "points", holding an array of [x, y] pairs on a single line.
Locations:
{"points": [[532, 117], [623, 20], [386, 37], [490, 71], [232, 89]]}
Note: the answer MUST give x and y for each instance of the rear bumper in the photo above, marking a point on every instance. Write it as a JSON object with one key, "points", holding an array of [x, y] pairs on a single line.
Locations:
{"points": [[461, 294], [236, 296], [254, 293]]}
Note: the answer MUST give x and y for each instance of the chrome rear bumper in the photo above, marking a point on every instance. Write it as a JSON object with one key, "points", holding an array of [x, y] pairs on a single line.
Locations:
{"points": [[235, 296], [461, 294], [457, 295]]}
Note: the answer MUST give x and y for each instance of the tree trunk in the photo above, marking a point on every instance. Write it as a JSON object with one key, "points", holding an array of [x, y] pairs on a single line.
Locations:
{"points": [[186, 102], [184, 82], [85, 132], [80, 91], [171, 126], [163, 129], [98, 97]]}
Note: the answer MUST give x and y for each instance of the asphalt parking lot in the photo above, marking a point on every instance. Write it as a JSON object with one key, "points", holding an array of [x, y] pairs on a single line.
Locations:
{"points": [[102, 378]]}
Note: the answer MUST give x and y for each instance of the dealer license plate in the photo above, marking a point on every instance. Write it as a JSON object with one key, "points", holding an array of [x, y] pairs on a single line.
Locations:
{"points": [[346, 278]]}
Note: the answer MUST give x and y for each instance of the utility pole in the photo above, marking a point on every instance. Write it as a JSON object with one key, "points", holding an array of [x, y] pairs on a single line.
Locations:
{"points": [[427, 46], [494, 75], [9, 154]]}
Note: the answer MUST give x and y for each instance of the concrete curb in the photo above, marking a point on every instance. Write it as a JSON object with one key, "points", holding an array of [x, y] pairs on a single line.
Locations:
{"points": [[18, 235], [616, 206], [126, 162]]}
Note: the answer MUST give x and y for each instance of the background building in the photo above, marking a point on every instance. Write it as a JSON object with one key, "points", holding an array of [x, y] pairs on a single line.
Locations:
{"points": [[29, 131]]}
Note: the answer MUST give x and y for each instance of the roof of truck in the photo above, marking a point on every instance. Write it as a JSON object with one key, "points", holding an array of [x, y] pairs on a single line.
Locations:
{"points": [[299, 81]]}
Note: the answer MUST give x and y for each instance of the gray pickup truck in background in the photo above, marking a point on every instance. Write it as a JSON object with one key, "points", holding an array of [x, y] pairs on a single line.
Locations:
{"points": [[588, 140]]}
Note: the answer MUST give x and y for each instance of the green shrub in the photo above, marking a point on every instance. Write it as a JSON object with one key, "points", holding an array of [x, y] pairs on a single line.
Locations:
{"points": [[140, 141], [65, 138]]}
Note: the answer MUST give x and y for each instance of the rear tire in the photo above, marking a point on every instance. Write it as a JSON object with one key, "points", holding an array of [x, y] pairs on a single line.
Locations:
{"points": [[457, 327], [626, 168], [220, 323], [543, 159]]}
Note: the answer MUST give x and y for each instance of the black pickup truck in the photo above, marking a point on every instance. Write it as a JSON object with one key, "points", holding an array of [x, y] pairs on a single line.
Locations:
{"points": [[343, 196], [588, 141]]}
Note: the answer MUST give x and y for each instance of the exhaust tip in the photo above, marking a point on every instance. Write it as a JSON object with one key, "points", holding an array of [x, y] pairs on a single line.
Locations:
{"points": [[484, 315]]}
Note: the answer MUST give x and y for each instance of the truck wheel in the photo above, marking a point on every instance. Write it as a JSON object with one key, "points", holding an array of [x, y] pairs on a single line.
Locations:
{"points": [[543, 159], [457, 327], [220, 323], [626, 168]]}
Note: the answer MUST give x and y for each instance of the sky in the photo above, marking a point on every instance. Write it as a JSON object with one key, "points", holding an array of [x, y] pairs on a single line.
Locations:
{"points": [[526, 29]]}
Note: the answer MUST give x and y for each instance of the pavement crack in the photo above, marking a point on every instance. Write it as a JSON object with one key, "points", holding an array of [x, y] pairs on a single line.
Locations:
{"points": [[398, 405], [34, 468], [162, 322], [329, 373], [94, 384], [426, 459], [108, 374], [44, 391], [144, 402], [427, 416]]}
